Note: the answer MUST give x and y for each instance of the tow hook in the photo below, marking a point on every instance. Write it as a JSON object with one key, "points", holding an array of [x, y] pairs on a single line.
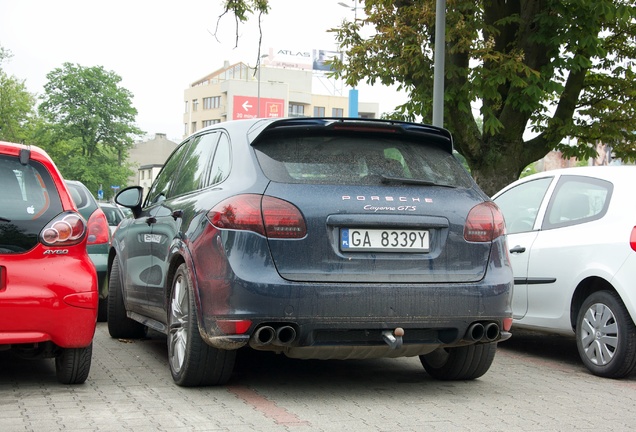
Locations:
{"points": [[393, 338]]}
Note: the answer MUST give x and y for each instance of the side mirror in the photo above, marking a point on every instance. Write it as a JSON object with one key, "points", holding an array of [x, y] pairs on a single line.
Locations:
{"points": [[131, 197]]}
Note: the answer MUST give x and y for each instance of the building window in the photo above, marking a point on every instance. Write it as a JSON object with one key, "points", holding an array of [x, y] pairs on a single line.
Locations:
{"points": [[296, 110], [187, 107], [195, 104], [319, 111], [194, 127], [211, 102], [337, 112], [207, 123], [185, 128]]}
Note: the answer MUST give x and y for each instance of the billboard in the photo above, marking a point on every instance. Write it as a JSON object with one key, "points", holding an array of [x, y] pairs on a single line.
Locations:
{"points": [[247, 107], [300, 59], [321, 56]]}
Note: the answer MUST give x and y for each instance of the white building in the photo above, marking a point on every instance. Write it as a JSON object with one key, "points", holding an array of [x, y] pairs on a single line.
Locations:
{"points": [[283, 87], [147, 157]]}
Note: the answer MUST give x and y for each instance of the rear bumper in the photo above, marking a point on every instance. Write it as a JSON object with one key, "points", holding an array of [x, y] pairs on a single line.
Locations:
{"points": [[40, 321], [232, 285], [353, 315], [57, 303]]}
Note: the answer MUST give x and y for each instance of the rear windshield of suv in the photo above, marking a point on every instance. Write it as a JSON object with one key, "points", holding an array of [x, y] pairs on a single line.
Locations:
{"points": [[28, 200], [357, 160]]}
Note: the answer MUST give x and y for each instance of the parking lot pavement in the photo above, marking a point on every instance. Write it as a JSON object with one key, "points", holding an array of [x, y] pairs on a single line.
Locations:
{"points": [[535, 384]]}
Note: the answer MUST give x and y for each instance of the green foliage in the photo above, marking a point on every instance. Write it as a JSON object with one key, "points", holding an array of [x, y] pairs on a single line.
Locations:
{"points": [[529, 170], [564, 69], [17, 106], [242, 9], [88, 103], [90, 125]]}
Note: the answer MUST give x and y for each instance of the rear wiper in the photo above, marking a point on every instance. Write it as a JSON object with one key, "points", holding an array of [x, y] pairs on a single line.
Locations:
{"points": [[402, 180], [4, 219]]}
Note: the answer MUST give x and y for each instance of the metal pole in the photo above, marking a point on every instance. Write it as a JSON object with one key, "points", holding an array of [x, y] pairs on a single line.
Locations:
{"points": [[258, 91], [258, 96], [353, 93], [438, 77]]}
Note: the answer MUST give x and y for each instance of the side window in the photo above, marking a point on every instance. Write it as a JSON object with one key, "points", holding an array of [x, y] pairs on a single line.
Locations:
{"points": [[221, 165], [196, 164], [160, 189], [520, 204], [576, 200]]}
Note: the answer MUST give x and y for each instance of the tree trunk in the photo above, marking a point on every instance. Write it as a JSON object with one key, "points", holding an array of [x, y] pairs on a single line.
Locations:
{"points": [[492, 179]]}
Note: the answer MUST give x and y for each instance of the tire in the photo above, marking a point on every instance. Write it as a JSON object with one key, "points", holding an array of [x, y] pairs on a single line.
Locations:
{"points": [[119, 325], [102, 310], [459, 363], [192, 361], [72, 365], [606, 336]]}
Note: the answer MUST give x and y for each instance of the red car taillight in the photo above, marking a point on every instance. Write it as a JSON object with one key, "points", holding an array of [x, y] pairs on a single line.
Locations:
{"points": [[485, 223], [632, 239], [268, 216], [65, 230], [98, 230]]}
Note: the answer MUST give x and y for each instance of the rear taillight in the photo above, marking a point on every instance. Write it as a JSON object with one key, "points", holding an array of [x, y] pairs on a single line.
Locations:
{"points": [[234, 327], [632, 239], [65, 230], [98, 229], [265, 215], [484, 223]]}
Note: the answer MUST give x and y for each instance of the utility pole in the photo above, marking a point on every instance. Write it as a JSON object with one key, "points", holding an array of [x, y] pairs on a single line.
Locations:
{"points": [[438, 77]]}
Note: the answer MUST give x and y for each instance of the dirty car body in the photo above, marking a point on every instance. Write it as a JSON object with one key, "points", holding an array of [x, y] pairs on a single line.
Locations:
{"points": [[317, 238]]}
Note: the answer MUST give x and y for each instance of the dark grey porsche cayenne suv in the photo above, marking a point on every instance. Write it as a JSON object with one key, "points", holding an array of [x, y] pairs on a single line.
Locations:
{"points": [[318, 238]]}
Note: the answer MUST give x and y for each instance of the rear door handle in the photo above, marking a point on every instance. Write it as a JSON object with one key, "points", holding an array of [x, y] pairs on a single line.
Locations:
{"points": [[518, 249]]}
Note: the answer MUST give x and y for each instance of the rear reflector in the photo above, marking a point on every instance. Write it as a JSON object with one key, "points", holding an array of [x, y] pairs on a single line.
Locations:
{"points": [[3, 278], [230, 327], [507, 324]]}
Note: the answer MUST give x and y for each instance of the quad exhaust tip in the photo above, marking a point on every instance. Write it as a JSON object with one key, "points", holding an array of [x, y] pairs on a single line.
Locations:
{"points": [[268, 335], [486, 332]]}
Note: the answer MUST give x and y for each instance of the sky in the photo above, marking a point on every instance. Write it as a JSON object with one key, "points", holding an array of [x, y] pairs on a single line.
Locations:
{"points": [[160, 47]]}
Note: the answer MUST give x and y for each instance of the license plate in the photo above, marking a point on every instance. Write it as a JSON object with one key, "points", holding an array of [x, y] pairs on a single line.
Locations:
{"points": [[384, 240]]}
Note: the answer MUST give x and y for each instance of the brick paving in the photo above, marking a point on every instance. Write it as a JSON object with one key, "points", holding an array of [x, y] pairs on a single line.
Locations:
{"points": [[535, 384]]}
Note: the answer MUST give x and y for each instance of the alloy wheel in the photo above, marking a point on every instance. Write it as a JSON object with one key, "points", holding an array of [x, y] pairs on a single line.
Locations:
{"points": [[179, 319]]}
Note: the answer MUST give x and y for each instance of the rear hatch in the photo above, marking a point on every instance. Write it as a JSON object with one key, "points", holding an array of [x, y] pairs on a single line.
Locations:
{"points": [[28, 201], [382, 201]]}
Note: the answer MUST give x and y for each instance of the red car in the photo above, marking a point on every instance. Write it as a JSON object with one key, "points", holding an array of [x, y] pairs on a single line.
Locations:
{"points": [[48, 283]]}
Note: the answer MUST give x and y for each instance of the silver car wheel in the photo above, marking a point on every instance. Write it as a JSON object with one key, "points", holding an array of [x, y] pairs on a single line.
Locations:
{"points": [[599, 334], [179, 319]]}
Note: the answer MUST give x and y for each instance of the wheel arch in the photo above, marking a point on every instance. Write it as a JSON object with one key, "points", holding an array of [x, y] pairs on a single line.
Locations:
{"points": [[175, 262], [584, 289]]}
